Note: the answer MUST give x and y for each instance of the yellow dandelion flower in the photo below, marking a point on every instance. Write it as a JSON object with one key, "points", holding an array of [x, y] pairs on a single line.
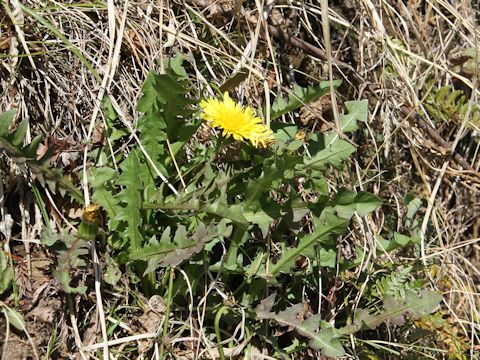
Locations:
{"points": [[241, 124]]}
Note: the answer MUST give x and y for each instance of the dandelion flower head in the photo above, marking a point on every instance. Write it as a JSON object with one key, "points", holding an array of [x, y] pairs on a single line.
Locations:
{"points": [[241, 124]]}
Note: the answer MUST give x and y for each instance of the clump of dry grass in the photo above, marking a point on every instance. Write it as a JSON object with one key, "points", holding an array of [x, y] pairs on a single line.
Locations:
{"points": [[73, 54]]}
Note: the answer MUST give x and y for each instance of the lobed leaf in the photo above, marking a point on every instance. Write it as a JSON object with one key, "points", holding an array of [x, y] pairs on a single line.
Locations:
{"points": [[131, 199], [333, 151], [395, 310], [325, 340], [346, 203], [70, 251], [357, 111], [299, 97], [172, 252]]}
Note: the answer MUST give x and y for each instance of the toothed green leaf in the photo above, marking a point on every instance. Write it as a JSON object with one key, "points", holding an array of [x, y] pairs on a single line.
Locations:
{"points": [[356, 111], [131, 200], [325, 340], [299, 97], [330, 150]]}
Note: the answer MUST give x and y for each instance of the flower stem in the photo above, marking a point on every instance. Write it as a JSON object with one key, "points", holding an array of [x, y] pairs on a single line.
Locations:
{"points": [[220, 312], [167, 311]]}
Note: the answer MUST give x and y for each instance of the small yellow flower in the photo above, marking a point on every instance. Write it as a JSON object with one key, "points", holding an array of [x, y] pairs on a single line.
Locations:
{"points": [[91, 212], [241, 124]]}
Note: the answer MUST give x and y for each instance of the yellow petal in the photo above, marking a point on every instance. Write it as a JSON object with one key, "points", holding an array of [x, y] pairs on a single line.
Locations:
{"points": [[241, 124]]}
